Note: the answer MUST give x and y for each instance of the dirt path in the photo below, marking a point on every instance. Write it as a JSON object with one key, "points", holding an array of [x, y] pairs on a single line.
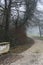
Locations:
{"points": [[31, 56], [37, 47]]}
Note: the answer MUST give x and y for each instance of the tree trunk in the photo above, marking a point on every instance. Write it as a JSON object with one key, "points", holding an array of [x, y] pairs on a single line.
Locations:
{"points": [[7, 16]]}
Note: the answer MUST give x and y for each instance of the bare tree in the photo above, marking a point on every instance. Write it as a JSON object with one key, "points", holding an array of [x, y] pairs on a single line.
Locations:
{"points": [[18, 12], [7, 17]]}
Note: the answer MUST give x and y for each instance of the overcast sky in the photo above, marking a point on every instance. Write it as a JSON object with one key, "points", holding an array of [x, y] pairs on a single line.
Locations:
{"points": [[2, 1], [22, 8], [40, 5]]}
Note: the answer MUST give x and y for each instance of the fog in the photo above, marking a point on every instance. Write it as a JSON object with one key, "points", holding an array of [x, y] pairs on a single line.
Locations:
{"points": [[35, 29]]}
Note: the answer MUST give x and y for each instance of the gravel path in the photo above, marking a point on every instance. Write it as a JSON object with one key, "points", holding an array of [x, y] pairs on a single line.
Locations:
{"points": [[32, 56], [30, 59]]}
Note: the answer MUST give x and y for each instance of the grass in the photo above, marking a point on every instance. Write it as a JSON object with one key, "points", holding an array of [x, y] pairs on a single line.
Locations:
{"points": [[38, 37]]}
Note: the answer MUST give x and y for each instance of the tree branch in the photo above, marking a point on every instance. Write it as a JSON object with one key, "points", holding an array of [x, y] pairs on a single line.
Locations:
{"points": [[1, 7]]}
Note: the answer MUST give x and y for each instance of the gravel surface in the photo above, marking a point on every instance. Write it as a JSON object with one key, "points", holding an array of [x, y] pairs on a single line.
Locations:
{"points": [[32, 56], [30, 59]]}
